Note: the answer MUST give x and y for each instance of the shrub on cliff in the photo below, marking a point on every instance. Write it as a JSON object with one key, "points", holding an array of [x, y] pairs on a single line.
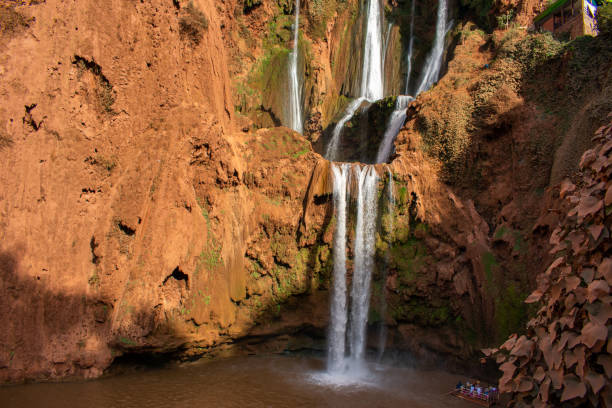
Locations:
{"points": [[604, 19], [480, 9], [250, 5], [192, 24]]}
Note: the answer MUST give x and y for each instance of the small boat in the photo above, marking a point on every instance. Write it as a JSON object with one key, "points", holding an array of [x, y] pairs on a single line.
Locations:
{"points": [[483, 396]]}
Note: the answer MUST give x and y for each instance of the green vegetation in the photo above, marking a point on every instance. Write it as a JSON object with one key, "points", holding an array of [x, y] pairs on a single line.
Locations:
{"points": [[192, 24], [530, 51], [510, 312], [490, 265], [250, 5], [501, 232], [127, 341], [604, 19], [205, 298], [480, 8], [210, 256], [409, 257], [319, 13], [422, 313], [104, 90], [94, 279]]}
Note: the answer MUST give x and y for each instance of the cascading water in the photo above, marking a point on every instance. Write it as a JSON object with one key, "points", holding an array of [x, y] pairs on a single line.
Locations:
{"points": [[429, 77], [347, 331], [295, 104], [365, 240], [396, 121], [410, 47], [372, 73], [382, 332], [434, 59], [366, 182], [332, 147], [337, 327], [372, 82]]}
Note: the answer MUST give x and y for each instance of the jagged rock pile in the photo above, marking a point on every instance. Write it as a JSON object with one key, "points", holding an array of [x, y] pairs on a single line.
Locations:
{"points": [[564, 359]]}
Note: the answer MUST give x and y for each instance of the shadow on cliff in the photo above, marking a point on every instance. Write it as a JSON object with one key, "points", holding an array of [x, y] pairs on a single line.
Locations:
{"points": [[47, 333]]}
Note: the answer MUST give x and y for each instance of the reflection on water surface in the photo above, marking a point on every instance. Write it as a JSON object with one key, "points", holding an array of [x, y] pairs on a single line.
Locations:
{"points": [[261, 381]]}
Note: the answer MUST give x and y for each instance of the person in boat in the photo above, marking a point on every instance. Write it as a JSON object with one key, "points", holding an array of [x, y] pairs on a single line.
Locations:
{"points": [[459, 386]]}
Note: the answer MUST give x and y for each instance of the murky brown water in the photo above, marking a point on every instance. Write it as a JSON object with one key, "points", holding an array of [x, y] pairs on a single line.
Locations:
{"points": [[266, 381]]}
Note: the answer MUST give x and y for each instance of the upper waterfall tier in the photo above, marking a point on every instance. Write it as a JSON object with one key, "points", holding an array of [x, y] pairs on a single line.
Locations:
{"points": [[372, 83], [295, 97]]}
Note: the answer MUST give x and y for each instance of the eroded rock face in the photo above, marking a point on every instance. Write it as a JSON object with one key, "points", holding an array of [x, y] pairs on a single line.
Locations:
{"points": [[140, 213], [564, 359], [135, 215]]}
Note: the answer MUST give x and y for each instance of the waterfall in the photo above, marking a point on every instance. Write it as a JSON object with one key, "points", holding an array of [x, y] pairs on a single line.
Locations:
{"points": [[295, 98], [332, 147], [366, 182], [386, 44], [396, 121], [372, 82], [434, 59], [365, 245], [410, 47], [382, 332], [337, 327], [372, 73], [429, 77]]}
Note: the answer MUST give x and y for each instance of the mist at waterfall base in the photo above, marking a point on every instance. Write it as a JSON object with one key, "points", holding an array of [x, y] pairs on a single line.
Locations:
{"points": [[245, 382], [346, 362]]}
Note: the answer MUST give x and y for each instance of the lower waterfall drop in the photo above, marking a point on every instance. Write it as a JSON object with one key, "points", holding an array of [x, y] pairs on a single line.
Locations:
{"points": [[365, 179], [365, 245], [337, 328]]}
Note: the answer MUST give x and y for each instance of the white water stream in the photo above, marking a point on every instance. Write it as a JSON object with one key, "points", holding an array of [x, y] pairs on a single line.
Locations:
{"points": [[365, 245], [295, 97], [434, 59], [430, 76], [372, 82], [372, 79], [332, 147], [347, 331], [337, 326], [410, 48], [396, 121], [343, 357]]}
